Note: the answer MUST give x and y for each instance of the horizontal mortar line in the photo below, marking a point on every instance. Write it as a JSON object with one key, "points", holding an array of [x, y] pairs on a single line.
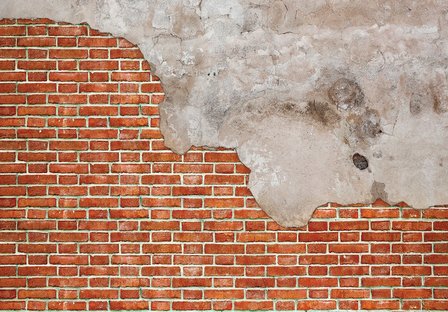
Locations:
{"points": [[149, 208]]}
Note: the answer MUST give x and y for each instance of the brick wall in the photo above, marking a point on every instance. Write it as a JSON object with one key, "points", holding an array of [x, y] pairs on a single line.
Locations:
{"points": [[96, 213]]}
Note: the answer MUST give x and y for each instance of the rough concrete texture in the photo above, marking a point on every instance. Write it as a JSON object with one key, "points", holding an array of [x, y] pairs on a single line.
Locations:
{"points": [[324, 100]]}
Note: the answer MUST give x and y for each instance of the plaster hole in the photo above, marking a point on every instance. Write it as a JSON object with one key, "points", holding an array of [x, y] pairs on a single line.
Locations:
{"points": [[360, 161]]}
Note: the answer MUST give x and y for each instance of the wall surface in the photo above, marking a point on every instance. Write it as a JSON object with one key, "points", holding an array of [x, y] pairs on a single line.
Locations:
{"points": [[281, 81], [96, 213]]}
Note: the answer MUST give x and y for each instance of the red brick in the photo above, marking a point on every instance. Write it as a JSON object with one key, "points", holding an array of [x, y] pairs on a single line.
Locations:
{"points": [[130, 76], [162, 248], [411, 226], [349, 293], [31, 133], [129, 237], [36, 65], [253, 305], [98, 271], [36, 87], [287, 271], [68, 54], [12, 30], [36, 42], [68, 237], [379, 236], [67, 31], [126, 145], [348, 248], [13, 53], [411, 270], [323, 237], [95, 65], [436, 213], [381, 281], [133, 99], [318, 259], [185, 191], [7, 42], [191, 305], [349, 225], [287, 294], [412, 293], [37, 294], [36, 225], [316, 304], [380, 259], [69, 76], [128, 122], [8, 65], [380, 305], [97, 42], [411, 248], [380, 213], [224, 249], [99, 293], [224, 294], [161, 271], [440, 305]]}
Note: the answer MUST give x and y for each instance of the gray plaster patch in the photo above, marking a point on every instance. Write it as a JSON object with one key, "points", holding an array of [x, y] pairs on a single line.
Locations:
{"points": [[297, 87]]}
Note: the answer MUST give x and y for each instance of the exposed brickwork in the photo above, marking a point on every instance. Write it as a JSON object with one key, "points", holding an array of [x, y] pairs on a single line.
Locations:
{"points": [[96, 213]]}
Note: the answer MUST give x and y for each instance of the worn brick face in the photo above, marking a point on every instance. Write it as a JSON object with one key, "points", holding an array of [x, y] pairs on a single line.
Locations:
{"points": [[97, 214]]}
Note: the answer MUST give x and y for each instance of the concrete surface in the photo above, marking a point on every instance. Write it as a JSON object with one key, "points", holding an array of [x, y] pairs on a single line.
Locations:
{"points": [[325, 100]]}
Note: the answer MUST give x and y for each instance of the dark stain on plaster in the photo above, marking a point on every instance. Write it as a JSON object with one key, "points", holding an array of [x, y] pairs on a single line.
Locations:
{"points": [[346, 94], [426, 99], [416, 104], [363, 123], [378, 154], [437, 104], [369, 126], [322, 112], [360, 161], [378, 190]]}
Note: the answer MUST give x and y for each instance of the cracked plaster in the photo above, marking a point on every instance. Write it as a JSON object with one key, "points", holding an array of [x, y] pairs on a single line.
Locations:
{"points": [[324, 100]]}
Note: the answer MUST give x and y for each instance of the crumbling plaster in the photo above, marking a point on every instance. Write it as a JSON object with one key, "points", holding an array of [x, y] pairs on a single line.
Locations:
{"points": [[324, 100]]}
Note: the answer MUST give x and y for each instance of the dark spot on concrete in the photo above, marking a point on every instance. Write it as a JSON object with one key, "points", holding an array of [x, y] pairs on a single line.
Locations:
{"points": [[416, 104], [378, 154], [437, 105], [370, 126], [364, 126], [346, 94], [322, 112], [360, 161], [426, 99], [378, 191], [288, 107]]}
